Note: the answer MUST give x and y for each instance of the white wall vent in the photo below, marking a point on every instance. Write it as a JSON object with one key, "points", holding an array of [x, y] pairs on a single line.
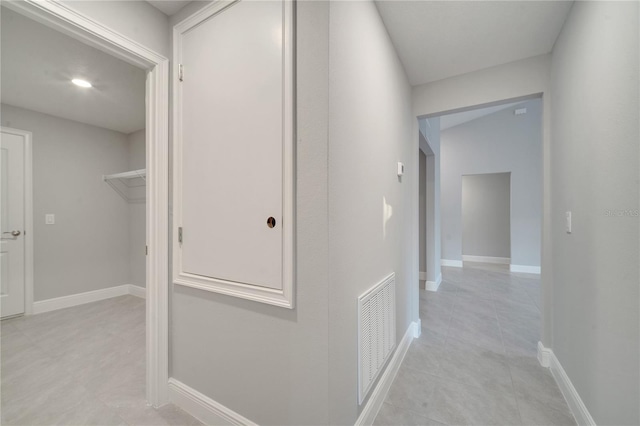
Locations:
{"points": [[376, 332]]}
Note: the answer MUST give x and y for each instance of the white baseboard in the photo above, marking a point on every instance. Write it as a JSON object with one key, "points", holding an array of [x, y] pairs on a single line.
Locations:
{"points": [[417, 328], [137, 291], [433, 285], [544, 355], [525, 268], [454, 263], [486, 259], [88, 297], [211, 412], [379, 393], [202, 407], [547, 358]]}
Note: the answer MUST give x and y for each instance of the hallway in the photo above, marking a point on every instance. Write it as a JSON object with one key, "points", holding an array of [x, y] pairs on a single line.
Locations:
{"points": [[475, 362]]}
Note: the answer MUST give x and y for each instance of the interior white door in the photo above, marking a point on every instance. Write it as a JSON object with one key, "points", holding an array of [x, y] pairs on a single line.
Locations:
{"points": [[12, 245], [234, 125]]}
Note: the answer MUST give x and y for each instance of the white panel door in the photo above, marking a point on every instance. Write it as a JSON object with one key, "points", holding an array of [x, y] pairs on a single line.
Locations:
{"points": [[234, 138], [12, 245]]}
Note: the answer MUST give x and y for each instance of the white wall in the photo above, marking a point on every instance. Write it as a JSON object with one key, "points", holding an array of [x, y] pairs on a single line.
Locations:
{"points": [[298, 349], [486, 211], [267, 363], [595, 168], [491, 85], [370, 130], [513, 81], [88, 247], [137, 213], [496, 143]]}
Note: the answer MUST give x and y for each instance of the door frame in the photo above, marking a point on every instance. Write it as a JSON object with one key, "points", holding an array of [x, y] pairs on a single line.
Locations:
{"points": [[81, 27], [538, 88], [28, 215]]}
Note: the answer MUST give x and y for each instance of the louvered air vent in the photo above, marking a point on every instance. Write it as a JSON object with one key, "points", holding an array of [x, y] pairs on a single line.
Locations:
{"points": [[376, 332]]}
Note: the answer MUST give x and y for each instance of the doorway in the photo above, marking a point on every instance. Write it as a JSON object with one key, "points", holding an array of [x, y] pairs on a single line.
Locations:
{"points": [[486, 218], [16, 245], [155, 115], [484, 317], [490, 191]]}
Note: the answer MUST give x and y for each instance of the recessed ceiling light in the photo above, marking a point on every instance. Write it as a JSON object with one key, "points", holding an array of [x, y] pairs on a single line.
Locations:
{"points": [[81, 83]]}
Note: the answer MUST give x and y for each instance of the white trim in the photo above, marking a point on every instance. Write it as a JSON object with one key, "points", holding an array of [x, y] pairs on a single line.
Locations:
{"points": [[433, 285], [157, 225], [525, 268], [452, 263], [577, 407], [544, 355], [28, 223], [67, 20], [486, 259], [379, 393], [28, 215], [283, 297], [202, 407], [417, 328], [63, 302], [137, 291]]}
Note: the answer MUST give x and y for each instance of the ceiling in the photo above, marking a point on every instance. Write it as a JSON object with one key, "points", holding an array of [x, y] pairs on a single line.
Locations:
{"points": [[452, 120], [38, 64], [169, 7], [441, 39]]}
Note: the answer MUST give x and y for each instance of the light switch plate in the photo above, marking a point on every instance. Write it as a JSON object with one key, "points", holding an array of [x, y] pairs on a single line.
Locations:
{"points": [[568, 222], [49, 219], [400, 168]]}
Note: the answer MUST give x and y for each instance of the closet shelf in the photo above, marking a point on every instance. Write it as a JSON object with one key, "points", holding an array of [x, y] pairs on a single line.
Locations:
{"points": [[129, 185]]}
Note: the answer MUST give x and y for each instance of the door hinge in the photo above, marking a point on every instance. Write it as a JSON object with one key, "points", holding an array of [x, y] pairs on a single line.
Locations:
{"points": [[146, 250], [180, 72], [180, 235]]}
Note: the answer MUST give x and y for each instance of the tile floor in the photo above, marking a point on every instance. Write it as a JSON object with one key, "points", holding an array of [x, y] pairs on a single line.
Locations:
{"points": [[475, 363], [80, 366]]}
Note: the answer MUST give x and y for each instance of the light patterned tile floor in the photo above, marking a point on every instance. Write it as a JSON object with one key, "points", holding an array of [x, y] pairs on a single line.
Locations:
{"points": [[79, 366], [475, 363]]}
